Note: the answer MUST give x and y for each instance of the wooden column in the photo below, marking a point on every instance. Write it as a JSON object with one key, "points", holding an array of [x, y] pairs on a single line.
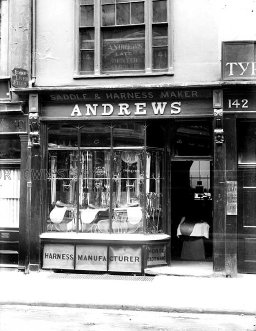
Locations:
{"points": [[219, 187], [23, 220], [231, 178]]}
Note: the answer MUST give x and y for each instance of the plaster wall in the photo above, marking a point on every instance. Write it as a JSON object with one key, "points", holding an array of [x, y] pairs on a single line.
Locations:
{"points": [[199, 27]]}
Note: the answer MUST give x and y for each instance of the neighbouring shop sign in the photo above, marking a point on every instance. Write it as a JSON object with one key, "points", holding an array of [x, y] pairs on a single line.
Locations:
{"points": [[58, 256], [93, 258], [125, 259], [13, 124], [240, 100], [239, 60], [231, 198], [156, 255], [19, 78]]}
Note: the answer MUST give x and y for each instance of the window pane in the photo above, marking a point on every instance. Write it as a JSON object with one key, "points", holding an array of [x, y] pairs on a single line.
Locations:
{"points": [[247, 142], [103, 2], [123, 14], [87, 61], [193, 139], [154, 183], [108, 15], [160, 58], [87, 16], [128, 134], [87, 39], [160, 11], [62, 190], [95, 136], [9, 148], [95, 191], [123, 49], [9, 197], [62, 136], [128, 186], [137, 13]]}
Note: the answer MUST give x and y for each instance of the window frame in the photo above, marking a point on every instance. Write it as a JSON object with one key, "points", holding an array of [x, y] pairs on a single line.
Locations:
{"points": [[148, 70]]}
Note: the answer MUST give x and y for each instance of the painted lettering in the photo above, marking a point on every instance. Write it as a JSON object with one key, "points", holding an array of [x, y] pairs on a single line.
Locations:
{"points": [[159, 107], [123, 109], [176, 107], [76, 111], [140, 109], [109, 111], [91, 108]]}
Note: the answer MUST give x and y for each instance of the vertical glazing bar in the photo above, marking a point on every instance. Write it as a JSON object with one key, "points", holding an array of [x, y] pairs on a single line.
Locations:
{"points": [[111, 180], [148, 35], [144, 184]]}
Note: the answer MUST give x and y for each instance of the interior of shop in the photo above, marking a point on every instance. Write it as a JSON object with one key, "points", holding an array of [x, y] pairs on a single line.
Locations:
{"points": [[191, 201]]}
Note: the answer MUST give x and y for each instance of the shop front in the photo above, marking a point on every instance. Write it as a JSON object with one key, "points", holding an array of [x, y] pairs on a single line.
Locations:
{"points": [[118, 169], [240, 129], [13, 131]]}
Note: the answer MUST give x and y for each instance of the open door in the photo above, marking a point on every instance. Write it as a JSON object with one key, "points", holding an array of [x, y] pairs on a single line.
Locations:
{"points": [[191, 205]]}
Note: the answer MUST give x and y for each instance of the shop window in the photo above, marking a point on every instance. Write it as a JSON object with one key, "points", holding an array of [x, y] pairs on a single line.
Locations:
{"points": [[193, 138], [9, 181], [112, 186], [247, 142], [124, 36]]}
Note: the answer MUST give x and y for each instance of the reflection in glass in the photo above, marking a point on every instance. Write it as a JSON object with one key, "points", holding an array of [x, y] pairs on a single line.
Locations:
{"points": [[159, 11], [128, 134], [87, 16], [154, 184], [108, 15], [123, 14], [9, 148], [247, 142], [95, 136], [62, 136]]}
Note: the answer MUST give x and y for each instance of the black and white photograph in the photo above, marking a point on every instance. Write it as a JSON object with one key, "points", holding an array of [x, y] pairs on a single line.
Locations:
{"points": [[128, 165]]}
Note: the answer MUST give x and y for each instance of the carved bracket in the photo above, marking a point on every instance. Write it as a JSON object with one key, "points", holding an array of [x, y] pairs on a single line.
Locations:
{"points": [[218, 130], [34, 125]]}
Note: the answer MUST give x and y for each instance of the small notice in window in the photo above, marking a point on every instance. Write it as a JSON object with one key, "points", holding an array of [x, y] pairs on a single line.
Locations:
{"points": [[231, 198]]}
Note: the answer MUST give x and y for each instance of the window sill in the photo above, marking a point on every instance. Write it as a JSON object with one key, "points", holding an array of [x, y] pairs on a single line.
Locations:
{"points": [[121, 75]]}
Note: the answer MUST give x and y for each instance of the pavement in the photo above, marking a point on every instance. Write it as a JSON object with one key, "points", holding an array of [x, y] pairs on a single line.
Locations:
{"points": [[159, 293]]}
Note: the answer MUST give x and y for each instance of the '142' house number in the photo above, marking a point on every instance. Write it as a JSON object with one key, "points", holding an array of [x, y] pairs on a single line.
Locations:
{"points": [[237, 103]]}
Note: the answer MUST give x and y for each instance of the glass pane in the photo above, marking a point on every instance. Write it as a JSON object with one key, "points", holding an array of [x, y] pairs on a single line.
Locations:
{"points": [[9, 197], [108, 15], [9, 147], [87, 16], [95, 136], [62, 136], [128, 187], [154, 183], [193, 139], [247, 142], [128, 134], [123, 49], [137, 13], [62, 190], [87, 39], [160, 58], [160, 35], [123, 14], [87, 61], [107, 1], [159, 11], [94, 198]]}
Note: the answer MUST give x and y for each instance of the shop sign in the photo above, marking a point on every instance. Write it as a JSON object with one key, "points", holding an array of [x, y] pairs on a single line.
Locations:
{"points": [[58, 256], [13, 124], [239, 60], [155, 109], [19, 78], [93, 258], [231, 198], [240, 101], [121, 96], [125, 259], [156, 255]]}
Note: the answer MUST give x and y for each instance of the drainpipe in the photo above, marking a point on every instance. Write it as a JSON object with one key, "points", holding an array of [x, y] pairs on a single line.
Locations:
{"points": [[33, 43]]}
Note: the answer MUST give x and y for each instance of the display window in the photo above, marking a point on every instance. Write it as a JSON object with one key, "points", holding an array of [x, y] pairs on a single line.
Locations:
{"points": [[104, 178]]}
